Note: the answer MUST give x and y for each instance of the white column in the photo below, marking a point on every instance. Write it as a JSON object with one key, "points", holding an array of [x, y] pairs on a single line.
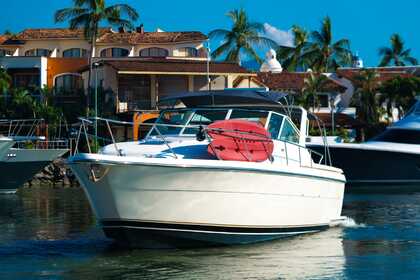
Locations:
{"points": [[16, 52], [54, 53], [44, 71], [132, 52]]}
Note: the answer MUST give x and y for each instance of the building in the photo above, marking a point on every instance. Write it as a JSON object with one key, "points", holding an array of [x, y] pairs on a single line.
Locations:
{"points": [[138, 67]]}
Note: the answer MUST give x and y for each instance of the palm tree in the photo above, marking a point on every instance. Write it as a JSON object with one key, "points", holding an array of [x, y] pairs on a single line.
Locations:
{"points": [[325, 54], [23, 103], [5, 81], [241, 39], [396, 54], [313, 84], [88, 14], [399, 92], [291, 57], [365, 98]]}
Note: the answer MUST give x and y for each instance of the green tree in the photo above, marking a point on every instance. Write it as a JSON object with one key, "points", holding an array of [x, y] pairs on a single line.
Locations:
{"points": [[399, 92], [365, 98], [324, 54], [313, 85], [23, 104], [241, 39], [5, 81], [89, 14], [396, 54], [291, 57]]}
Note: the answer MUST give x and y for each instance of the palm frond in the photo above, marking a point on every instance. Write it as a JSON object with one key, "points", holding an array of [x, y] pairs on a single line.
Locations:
{"points": [[125, 9], [218, 33], [221, 50], [68, 13]]}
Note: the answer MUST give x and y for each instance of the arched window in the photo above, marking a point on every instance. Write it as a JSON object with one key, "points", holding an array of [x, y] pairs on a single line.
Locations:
{"points": [[68, 82], [76, 52], [38, 52], [114, 52], [4, 52], [188, 52], [154, 52]]}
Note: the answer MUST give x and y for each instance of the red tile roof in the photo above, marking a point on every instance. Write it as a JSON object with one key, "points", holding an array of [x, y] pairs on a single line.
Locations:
{"points": [[3, 38], [152, 37], [384, 73], [107, 36], [55, 33], [174, 66], [291, 81]]}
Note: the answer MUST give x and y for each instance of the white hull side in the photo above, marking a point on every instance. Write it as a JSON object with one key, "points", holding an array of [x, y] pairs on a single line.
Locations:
{"points": [[273, 203], [20, 165], [5, 145]]}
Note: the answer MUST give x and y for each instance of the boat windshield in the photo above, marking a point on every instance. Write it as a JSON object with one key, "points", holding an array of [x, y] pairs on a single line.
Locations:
{"points": [[187, 121]]}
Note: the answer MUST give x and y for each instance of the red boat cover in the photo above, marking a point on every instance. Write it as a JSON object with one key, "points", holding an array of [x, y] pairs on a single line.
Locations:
{"points": [[239, 140]]}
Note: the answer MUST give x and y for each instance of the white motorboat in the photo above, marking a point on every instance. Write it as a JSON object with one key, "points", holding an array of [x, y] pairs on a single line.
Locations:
{"points": [[22, 156], [168, 191], [388, 162]]}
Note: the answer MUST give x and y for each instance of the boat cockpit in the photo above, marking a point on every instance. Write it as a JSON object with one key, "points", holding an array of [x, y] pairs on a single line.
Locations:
{"points": [[187, 122]]}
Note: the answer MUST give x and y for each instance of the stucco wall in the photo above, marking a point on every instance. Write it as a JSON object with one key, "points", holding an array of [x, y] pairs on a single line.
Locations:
{"points": [[59, 66]]}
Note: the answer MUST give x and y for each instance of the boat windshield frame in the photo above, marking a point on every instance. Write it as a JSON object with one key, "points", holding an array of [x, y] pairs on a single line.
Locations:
{"points": [[181, 127]]}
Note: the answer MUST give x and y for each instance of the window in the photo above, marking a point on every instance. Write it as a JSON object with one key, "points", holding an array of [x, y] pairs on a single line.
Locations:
{"points": [[68, 82], [114, 52], [75, 53], [252, 116], [171, 118], [4, 52], [38, 52], [289, 133], [154, 52], [26, 80], [188, 52], [274, 125], [324, 100], [205, 117]]}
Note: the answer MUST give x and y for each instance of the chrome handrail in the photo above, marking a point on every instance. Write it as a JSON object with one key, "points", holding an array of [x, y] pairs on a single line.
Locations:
{"points": [[155, 127]]}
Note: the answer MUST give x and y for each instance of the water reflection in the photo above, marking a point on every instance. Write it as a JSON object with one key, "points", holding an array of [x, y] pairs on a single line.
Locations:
{"points": [[43, 214], [51, 233], [312, 256]]}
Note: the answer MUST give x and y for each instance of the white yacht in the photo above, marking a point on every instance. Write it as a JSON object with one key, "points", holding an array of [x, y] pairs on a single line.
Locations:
{"points": [[388, 162], [168, 191], [22, 156]]}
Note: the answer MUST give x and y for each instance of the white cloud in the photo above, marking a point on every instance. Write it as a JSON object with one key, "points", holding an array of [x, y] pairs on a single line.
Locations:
{"points": [[281, 37]]}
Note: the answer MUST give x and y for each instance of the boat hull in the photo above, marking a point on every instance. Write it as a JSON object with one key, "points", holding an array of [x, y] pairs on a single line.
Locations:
{"points": [[375, 170], [171, 206], [20, 165]]}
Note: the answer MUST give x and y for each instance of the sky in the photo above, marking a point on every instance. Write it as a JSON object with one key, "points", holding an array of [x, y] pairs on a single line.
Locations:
{"points": [[368, 24]]}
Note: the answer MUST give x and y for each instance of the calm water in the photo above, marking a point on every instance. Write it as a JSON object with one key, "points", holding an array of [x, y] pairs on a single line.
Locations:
{"points": [[51, 234]]}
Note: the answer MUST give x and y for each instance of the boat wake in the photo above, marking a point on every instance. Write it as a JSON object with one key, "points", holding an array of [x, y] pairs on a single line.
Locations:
{"points": [[348, 222]]}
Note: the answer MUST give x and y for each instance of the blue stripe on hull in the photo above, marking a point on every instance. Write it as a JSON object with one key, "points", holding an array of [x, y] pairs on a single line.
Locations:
{"points": [[156, 235]]}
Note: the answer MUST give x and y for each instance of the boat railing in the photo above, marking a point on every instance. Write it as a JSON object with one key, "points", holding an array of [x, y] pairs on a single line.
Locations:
{"points": [[43, 145], [20, 127], [87, 123]]}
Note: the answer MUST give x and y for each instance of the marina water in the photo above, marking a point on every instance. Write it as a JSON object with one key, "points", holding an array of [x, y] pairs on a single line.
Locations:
{"points": [[51, 234]]}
